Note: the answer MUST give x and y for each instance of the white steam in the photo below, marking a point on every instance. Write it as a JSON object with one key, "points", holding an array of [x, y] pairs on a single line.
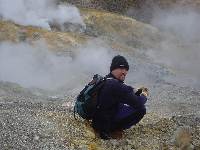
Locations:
{"points": [[38, 67], [184, 24], [39, 12], [180, 50]]}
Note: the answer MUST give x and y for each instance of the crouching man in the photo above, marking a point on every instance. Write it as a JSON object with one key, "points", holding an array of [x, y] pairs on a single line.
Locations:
{"points": [[118, 106]]}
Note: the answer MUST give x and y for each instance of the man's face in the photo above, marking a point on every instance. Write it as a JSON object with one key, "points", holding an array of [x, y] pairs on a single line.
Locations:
{"points": [[120, 73]]}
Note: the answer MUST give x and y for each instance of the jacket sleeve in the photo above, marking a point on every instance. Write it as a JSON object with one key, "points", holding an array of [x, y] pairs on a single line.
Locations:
{"points": [[127, 96]]}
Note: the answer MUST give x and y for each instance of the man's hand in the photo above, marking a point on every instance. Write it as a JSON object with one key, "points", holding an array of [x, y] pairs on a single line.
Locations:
{"points": [[138, 92], [143, 90]]}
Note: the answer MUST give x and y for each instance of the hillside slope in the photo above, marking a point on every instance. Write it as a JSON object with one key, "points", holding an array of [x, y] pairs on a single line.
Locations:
{"points": [[35, 118]]}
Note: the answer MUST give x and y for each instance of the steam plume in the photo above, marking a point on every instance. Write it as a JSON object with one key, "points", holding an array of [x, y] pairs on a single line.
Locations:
{"points": [[180, 50], [39, 12], [38, 67]]}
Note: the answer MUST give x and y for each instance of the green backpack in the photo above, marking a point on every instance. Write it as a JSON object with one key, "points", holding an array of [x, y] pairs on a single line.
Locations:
{"points": [[86, 102]]}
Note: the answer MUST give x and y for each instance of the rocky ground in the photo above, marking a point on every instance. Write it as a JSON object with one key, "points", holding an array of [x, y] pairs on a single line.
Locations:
{"points": [[142, 10], [29, 121]]}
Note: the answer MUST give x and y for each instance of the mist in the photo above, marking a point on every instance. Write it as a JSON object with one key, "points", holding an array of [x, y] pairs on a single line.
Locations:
{"points": [[36, 66], [39, 13], [180, 49]]}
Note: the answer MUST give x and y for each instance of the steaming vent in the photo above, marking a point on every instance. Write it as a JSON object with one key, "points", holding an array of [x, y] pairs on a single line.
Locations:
{"points": [[46, 14]]}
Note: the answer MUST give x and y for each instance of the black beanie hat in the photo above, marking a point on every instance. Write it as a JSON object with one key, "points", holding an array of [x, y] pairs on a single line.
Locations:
{"points": [[119, 62]]}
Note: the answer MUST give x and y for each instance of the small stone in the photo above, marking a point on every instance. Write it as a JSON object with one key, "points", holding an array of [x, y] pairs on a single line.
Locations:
{"points": [[36, 137]]}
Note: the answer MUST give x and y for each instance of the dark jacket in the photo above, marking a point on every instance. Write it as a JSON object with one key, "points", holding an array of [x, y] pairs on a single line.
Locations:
{"points": [[111, 95]]}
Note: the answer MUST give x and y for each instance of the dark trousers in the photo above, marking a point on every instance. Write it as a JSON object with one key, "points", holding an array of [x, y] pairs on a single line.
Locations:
{"points": [[127, 116]]}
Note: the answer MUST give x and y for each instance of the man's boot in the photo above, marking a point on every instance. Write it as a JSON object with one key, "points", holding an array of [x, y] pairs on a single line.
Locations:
{"points": [[117, 134], [105, 135]]}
